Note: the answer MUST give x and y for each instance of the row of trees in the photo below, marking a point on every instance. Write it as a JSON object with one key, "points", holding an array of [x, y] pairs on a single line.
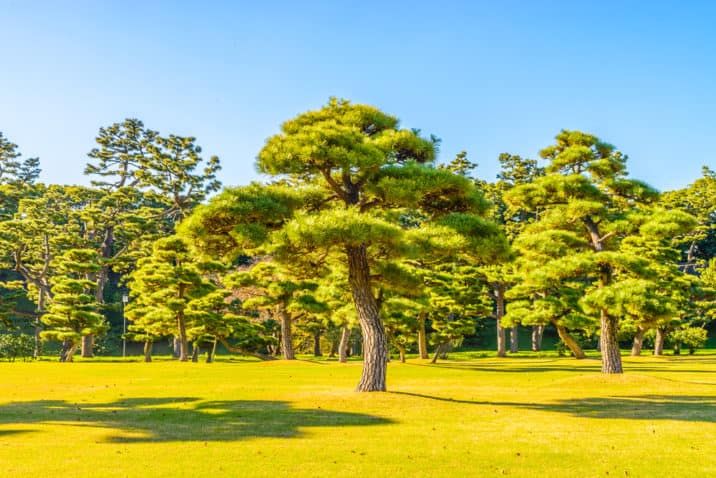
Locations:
{"points": [[357, 227]]}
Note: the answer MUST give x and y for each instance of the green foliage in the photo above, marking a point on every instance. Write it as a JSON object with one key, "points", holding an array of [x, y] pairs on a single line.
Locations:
{"points": [[14, 346]]}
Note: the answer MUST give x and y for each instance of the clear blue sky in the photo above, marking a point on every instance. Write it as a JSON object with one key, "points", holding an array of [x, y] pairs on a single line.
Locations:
{"points": [[487, 76]]}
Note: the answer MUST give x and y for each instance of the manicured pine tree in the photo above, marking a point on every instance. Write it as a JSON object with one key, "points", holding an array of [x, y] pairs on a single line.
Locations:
{"points": [[587, 195], [352, 171], [73, 312], [162, 287]]}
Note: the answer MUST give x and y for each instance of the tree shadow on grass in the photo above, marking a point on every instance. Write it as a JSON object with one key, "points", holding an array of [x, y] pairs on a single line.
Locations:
{"points": [[690, 408], [137, 420]]}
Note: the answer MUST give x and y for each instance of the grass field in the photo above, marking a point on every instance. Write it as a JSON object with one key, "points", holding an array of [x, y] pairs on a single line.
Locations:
{"points": [[528, 417]]}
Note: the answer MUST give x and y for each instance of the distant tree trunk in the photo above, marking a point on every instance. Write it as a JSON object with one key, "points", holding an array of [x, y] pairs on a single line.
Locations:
{"points": [[611, 356], [183, 343], [438, 352], [401, 351], [176, 347], [317, 344], [638, 341], [659, 341], [677, 348], [195, 351], [422, 337], [87, 346], [499, 314], [375, 346], [514, 340], [344, 345], [569, 341], [211, 352], [147, 351], [68, 350], [286, 335], [41, 297], [537, 333]]}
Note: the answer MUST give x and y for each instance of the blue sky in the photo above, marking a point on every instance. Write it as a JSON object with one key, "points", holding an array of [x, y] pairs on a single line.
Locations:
{"points": [[486, 77]]}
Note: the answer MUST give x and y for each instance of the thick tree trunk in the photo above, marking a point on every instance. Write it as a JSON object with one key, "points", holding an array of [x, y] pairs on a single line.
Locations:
{"points": [[569, 341], [638, 341], [317, 344], [148, 351], [344, 345], [514, 340], [422, 337], [499, 313], [286, 335], [88, 346], [375, 346], [659, 341], [537, 334], [611, 358]]}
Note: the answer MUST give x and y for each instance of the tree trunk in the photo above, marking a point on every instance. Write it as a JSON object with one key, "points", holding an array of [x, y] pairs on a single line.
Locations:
{"points": [[401, 351], [659, 341], [499, 313], [677, 348], [38, 324], [537, 334], [611, 358], [514, 340], [317, 344], [211, 352], [569, 341], [438, 352], [344, 345], [183, 343], [176, 347], [638, 341], [67, 353], [87, 346], [148, 351], [286, 335], [422, 337], [375, 346], [195, 351]]}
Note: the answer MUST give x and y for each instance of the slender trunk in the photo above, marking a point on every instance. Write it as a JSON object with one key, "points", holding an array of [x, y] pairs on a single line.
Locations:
{"points": [[41, 297], [611, 357], [569, 341], [183, 343], [211, 352], [148, 351], [514, 340], [195, 351], [286, 334], [638, 341], [499, 313], [677, 348], [87, 346], [659, 341], [317, 344], [438, 352], [375, 347], [64, 350], [422, 337], [537, 334], [401, 351], [344, 345], [176, 347]]}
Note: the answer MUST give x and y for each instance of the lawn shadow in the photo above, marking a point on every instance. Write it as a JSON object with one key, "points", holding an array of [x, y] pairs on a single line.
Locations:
{"points": [[691, 408], [137, 420]]}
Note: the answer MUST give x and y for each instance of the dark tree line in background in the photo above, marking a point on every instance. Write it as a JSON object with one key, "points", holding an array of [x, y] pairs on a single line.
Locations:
{"points": [[358, 244]]}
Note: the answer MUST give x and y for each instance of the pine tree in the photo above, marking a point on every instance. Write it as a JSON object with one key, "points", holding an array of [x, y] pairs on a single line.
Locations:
{"points": [[73, 312]]}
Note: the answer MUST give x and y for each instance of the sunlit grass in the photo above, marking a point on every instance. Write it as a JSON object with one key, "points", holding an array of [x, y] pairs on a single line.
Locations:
{"points": [[527, 416]]}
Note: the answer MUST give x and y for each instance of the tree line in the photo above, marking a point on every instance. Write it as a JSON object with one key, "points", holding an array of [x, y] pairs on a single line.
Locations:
{"points": [[357, 228]]}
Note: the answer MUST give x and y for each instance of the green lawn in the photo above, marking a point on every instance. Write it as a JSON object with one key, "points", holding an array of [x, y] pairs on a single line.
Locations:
{"points": [[527, 416]]}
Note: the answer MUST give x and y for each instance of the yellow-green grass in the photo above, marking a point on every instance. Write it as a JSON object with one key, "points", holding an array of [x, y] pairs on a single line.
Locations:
{"points": [[528, 417]]}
